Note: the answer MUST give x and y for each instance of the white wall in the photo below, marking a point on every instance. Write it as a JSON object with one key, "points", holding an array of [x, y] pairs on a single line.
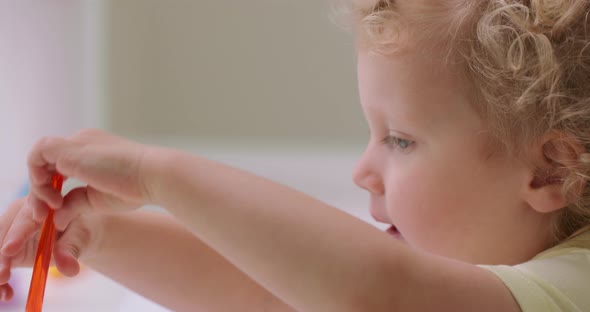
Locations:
{"points": [[50, 77], [259, 70]]}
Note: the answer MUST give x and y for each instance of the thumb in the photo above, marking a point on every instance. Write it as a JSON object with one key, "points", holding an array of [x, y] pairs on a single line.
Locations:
{"points": [[84, 200], [69, 247]]}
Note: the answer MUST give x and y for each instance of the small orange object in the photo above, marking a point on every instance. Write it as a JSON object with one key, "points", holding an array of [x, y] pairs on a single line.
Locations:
{"points": [[43, 257], [53, 272]]}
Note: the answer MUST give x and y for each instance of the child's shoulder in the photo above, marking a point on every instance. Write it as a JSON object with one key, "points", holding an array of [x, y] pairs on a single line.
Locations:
{"points": [[577, 244], [555, 280]]}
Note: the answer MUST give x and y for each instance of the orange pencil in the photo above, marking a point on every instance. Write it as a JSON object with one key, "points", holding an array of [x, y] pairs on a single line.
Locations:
{"points": [[43, 257]]}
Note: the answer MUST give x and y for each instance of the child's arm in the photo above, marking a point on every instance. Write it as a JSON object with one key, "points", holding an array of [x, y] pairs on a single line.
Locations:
{"points": [[155, 256], [150, 253], [311, 256]]}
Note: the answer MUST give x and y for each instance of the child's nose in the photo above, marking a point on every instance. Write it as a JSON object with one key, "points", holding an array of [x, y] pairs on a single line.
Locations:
{"points": [[366, 176]]}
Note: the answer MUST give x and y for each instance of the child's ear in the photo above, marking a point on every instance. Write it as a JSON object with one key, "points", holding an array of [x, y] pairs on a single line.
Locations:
{"points": [[553, 158]]}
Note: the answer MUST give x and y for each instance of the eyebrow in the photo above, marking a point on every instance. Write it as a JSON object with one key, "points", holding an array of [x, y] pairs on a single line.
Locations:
{"points": [[383, 118], [399, 132]]}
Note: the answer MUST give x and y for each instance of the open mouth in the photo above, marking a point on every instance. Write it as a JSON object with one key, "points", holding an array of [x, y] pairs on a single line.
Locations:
{"points": [[392, 230]]}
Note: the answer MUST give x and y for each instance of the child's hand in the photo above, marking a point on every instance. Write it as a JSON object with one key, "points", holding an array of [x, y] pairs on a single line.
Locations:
{"points": [[19, 237], [110, 166]]}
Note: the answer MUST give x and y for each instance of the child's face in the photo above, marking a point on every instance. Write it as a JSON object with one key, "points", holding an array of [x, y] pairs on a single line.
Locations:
{"points": [[428, 170]]}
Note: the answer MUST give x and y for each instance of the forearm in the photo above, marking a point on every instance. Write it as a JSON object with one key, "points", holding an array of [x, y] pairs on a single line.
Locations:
{"points": [[157, 257], [311, 255]]}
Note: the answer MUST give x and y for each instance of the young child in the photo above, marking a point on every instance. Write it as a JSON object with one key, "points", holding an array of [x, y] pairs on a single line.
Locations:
{"points": [[478, 158]]}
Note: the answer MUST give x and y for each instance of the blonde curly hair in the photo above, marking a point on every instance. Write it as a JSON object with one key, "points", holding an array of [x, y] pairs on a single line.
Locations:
{"points": [[527, 60]]}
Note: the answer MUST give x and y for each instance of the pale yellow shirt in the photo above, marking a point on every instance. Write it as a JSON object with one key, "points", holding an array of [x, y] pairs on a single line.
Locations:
{"points": [[557, 279]]}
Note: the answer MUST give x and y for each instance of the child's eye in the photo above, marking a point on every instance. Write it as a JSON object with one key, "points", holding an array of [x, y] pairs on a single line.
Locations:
{"points": [[393, 142]]}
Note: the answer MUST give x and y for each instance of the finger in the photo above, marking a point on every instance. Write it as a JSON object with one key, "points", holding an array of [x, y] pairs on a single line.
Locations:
{"points": [[8, 217], [69, 247], [6, 292], [5, 222], [22, 230], [47, 194], [39, 208], [40, 168], [4, 270], [50, 155], [38, 157], [66, 260], [83, 200], [76, 202]]}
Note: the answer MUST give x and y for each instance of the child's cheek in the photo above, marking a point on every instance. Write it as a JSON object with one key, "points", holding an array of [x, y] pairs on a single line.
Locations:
{"points": [[407, 198]]}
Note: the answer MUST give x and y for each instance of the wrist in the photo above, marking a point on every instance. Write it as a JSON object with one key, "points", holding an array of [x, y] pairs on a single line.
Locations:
{"points": [[151, 170], [157, 173]]}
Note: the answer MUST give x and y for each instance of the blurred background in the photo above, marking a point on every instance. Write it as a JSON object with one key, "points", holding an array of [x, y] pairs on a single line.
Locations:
{"points": [[265, 85]]}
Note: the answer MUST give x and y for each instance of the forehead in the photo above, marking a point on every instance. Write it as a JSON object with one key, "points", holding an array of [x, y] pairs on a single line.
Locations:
{"points": [[411, 88]]}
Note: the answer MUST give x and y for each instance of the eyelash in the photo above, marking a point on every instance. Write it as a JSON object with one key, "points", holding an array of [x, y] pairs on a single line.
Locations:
{"points": [[393, 142]]}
